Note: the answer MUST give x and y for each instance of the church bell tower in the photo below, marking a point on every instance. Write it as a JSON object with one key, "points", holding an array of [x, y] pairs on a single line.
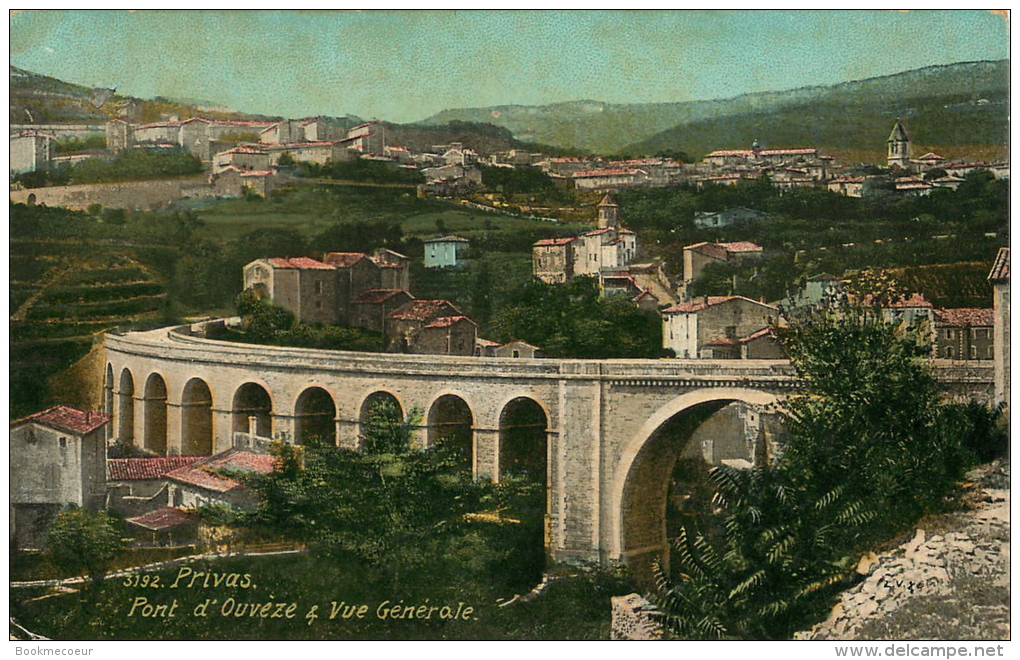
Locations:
{"points": [[898, 147]]}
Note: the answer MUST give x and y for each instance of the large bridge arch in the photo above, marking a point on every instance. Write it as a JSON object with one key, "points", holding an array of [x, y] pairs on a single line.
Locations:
{"points": [[641, 477], [126, 408], [315, 414], [252, 399], [451, 418], [155, 407], [196, 418]]}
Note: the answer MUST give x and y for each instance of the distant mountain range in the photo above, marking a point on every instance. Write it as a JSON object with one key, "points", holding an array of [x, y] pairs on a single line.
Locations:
{"points": [[956, 104], [954, 109]]}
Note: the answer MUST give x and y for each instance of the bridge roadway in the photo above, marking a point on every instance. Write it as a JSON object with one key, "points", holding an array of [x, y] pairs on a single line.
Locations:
{"points": [[597, 425]]}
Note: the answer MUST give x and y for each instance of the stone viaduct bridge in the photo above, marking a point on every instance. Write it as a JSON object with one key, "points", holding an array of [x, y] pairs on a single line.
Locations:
{"points": [[606, 433]]}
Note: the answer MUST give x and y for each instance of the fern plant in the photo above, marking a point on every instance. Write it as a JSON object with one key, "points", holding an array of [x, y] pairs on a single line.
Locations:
{"points": [[774, 567]]}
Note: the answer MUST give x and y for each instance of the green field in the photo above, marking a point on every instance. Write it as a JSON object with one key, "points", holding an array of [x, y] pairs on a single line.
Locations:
{"points": [[311, 209]]}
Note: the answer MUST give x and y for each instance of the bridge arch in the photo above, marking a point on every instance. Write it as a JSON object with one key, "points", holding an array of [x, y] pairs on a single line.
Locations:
{"points": [[450, 417], [252, 399], [523, 437], [641, 477], [369, 403], [315, 413], [154, 398], [108, 398], [196, 418], [126, 408]]}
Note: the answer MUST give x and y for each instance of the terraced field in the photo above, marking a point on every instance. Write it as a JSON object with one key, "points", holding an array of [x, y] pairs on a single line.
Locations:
{"points": [[63, 295]]}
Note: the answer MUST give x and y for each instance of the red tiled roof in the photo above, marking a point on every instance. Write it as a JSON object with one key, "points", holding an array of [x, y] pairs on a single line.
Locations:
{"points": [[67, 418], [731, 152], [914, 300], [698, 305], [128, 469], [447, 321], [486, 343], [608, 201], [740, 246], [1000, 269], [789, 152], [202, 473], [973, 316], [709, 301], [377, 295], [555, 241], [244, 150], [645, 293], [597, 232], [723, 341], [345, 259], [756, 335], [931, 156], [303, 263], [257, 172], [161, 519], [422, 310]]}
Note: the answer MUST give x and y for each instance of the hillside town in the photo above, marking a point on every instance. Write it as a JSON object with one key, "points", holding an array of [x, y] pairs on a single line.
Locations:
{"points": [[216, 313]]}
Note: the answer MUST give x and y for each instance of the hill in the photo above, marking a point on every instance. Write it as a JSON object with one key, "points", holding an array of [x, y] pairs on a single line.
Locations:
{"points": [[956, 104], [39, 99]]}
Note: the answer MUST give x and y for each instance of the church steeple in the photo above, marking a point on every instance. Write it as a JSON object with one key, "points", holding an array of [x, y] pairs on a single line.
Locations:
{"points": [[609, 213], [898, 146]]}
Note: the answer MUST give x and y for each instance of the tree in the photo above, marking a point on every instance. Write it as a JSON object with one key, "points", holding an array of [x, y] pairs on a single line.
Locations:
{"points": [[84, 541], [264, 319], [870, 448]]}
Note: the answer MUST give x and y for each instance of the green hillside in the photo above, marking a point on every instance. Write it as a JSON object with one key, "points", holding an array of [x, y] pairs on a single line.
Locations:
{"points": [[972, 98]]}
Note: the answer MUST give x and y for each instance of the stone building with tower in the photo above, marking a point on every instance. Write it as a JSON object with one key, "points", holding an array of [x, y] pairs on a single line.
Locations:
{"points": [[611, 247], [898, 147]]}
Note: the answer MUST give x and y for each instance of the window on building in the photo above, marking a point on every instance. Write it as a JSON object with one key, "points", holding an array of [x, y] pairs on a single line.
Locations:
{"points": [[731, 331], [948, 352], [949, 333], [973, 352], [516, 353], [318, 286], [63, 443], [990, 352]]}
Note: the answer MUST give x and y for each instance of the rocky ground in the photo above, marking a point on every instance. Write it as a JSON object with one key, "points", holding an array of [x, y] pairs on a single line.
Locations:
{"points": [[950, 581]]}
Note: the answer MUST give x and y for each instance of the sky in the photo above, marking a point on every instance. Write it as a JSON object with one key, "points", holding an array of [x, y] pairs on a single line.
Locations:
{"points": [[404, 66]]}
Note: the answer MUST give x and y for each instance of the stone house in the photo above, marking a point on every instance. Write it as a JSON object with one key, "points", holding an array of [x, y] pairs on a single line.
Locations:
{"points": [[817, 291], [738, 215], [445, 251], [31, 151], [999, 279], [356, 272], [57, 458], [517, 349], [234, 181], [284, 131], [850, 186], [136, 486], [368, 138], [311, 152], [309, 289], [119, 135], [203, 483], [370, 309], [699, 255], [688, 328], [912, 310], [568, 166], [760, 345], [243, 158], [416, 327], [447, 335], [611, 178], [964, 334], [552, 260]]}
